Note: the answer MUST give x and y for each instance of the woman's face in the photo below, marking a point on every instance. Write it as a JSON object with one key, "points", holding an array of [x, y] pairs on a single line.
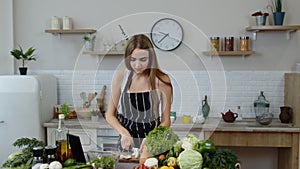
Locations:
{"points": [[139, 60]]}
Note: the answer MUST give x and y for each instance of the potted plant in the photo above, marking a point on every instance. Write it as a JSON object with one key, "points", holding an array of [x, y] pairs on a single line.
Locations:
{"points": [[278, 14], [260, 17], [64, 109], [94, 116], [89, 42], [26, 56]]}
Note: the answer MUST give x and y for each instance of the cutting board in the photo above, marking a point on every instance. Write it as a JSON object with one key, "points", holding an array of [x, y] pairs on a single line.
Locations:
{"points": [[292, 95]]}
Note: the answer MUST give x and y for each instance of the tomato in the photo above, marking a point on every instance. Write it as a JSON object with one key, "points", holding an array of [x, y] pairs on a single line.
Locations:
{"points": [[161, 157], [142, 166]]}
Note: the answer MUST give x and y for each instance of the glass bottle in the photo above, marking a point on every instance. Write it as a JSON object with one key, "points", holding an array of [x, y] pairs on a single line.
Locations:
{"points": [[261, 105], [239, 112], [61, 140], [205, 107], [37, 155], [50, 152]]}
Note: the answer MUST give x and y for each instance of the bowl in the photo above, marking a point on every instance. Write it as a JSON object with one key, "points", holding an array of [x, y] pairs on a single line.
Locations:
{"points": [[84, 113], [265, 118], [113, 152]]}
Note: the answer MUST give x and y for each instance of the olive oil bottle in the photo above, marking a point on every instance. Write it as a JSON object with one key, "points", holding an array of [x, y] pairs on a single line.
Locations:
{"points": [[62, 140]]}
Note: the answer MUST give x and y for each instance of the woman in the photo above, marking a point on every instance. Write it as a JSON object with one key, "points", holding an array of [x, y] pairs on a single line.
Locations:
{"points": [[141, 96]]}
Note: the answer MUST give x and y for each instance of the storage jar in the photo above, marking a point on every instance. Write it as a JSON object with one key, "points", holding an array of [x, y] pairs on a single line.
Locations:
{"points": [[55, 23], [244, 43], [215, 43], [228, 43], [67, 23]]}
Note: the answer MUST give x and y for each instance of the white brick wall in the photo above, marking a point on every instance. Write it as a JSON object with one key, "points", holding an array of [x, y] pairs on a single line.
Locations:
{"points": [[224, 90]]}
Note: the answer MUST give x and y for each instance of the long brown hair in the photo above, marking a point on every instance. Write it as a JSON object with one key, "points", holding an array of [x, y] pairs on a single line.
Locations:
{"points": [[141, 41]]}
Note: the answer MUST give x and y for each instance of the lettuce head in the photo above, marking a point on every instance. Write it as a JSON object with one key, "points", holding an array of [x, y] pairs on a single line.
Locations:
{"points": [[190, 159]]}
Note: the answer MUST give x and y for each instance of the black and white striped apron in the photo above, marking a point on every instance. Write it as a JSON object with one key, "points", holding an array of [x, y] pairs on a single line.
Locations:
{"points": [[137, 114]]}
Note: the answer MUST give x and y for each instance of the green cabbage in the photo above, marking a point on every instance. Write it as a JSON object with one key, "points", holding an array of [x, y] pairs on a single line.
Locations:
{"points": [[190, 159]]}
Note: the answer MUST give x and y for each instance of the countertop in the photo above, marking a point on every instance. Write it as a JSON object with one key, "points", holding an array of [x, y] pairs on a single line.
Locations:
{"points": [[80, 123], [211, 124], [244, 133]]}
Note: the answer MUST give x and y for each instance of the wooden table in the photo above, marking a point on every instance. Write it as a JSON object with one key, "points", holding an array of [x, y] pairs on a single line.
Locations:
{"points": [[284, 137]]}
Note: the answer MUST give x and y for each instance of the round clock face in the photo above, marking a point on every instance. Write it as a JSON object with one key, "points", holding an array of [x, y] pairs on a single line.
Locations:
{"points": [[167, 34]]}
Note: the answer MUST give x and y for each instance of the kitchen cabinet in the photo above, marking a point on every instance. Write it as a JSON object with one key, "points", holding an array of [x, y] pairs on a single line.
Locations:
{"points": [[287, 143], [107, 138], [292, 95], [286, 28], [88, 137]]}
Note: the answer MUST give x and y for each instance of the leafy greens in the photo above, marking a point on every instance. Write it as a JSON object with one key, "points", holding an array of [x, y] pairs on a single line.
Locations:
{"points": [[160, 140]]}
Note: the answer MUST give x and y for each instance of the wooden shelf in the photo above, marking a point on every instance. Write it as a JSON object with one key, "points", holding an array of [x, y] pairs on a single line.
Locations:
{"points": [[273, 28], [105, 53], [228, 53], [71, 31], [287, 28]]}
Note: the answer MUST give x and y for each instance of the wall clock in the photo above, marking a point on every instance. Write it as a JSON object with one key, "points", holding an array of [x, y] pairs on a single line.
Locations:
{"points": [[166, 34]]}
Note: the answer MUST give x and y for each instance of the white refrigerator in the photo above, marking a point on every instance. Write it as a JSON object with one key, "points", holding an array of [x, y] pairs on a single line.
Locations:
{"points": [[26, 102]]}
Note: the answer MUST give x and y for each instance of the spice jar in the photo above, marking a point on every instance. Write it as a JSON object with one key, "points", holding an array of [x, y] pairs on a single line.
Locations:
{"points": [[37, 155], [244, 43], [50, 152], [214, 43], [228, 43]]}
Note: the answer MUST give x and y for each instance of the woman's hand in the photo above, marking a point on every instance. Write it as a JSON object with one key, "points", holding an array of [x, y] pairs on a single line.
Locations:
{"points": [[143, 146], [144, 152], [126, 142]]}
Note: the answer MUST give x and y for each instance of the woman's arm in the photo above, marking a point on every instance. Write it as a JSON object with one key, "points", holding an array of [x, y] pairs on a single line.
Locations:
{"points": [[111, 112], [166, 97]]}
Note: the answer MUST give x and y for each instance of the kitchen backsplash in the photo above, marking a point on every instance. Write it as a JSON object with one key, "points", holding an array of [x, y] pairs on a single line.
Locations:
{"points": [[225, 90]]}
